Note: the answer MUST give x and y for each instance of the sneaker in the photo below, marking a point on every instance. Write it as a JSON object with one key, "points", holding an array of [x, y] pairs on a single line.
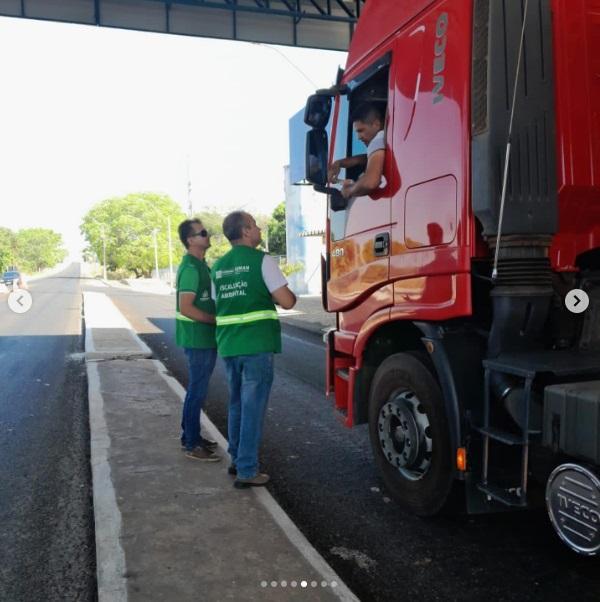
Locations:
{"points": [[200, 453], [232, 470], [260, 480], [208, 443], [205, 443]]}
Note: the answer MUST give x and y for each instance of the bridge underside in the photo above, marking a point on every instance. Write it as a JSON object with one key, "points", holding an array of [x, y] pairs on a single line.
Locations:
{"points": [[326, 24]]}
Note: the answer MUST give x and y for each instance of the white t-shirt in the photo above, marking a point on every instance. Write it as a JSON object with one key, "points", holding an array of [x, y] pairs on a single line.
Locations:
{"points": [[378, 143], [271, 274]]}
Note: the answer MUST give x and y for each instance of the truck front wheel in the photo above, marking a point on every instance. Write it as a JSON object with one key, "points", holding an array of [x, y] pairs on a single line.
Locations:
{"points": [[409, 434]]}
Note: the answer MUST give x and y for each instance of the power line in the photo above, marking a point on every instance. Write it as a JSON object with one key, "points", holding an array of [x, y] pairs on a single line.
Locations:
{"points": [[310, 81]]}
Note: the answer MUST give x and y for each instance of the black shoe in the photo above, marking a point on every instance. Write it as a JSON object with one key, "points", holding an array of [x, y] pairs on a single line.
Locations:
{"points": [[232, 470]]}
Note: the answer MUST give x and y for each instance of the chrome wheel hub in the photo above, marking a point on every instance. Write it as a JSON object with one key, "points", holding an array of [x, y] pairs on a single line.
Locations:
{"points": [[405, 434]]}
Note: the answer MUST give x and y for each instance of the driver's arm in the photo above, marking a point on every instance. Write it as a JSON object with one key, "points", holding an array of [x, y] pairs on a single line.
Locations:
{"points": [[370, 180]]}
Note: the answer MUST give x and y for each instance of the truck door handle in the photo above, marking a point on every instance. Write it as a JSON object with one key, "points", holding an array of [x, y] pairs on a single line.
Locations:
{"points": [[381, 246]]}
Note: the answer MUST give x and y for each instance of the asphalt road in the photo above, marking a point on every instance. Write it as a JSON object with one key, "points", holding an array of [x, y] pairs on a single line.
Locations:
{"points": [[323, 476], [47, 549]]}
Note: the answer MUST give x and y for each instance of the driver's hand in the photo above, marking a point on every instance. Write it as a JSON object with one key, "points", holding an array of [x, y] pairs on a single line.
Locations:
{"points": [[333, 172], [347, 188]]}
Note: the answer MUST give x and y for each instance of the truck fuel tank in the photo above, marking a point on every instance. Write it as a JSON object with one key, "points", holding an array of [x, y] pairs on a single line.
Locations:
{"points": [[572, 420]]}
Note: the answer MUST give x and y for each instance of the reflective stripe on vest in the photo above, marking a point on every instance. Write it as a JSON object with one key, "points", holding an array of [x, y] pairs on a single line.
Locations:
{"points": [[253, 316], [179, 316]]}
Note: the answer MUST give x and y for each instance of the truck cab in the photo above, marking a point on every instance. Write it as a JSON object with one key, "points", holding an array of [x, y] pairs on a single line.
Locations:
{"points": [[454, 339]]}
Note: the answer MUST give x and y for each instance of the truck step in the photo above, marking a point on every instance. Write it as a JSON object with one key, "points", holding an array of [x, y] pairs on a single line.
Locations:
{"points": [[502, 495], [500, 435]]}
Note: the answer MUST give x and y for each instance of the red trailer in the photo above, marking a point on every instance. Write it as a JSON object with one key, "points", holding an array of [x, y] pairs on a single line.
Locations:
{"points": [[457, 285]]}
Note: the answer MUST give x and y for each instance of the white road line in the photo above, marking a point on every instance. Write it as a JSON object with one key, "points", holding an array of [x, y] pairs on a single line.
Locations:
{"points": [[110, 557], [273, 508]]}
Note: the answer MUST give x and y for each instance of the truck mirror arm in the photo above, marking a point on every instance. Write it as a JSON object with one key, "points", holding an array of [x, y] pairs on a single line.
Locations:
{"points": [[335, 90]]}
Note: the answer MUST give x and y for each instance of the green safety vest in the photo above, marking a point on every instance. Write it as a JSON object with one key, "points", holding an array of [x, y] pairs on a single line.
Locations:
{"points": [[247, 321], [193, 276]]}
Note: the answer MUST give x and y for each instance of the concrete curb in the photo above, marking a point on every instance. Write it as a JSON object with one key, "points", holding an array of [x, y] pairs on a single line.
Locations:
{"points": [[110, 557], [111, 318]]}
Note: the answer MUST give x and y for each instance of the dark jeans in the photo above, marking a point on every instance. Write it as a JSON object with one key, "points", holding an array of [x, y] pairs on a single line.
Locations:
{"points": [[201, 363], [250, 378]]}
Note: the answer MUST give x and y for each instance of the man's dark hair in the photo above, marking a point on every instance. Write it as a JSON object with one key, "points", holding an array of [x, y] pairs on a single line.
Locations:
{"points": [[367, 112], [233, 225], [185, 229]]}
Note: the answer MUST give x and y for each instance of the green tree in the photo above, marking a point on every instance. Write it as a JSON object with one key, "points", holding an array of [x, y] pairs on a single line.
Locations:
{"points": [[126, 224], [8, 249], [38, 248], [276, 226]]}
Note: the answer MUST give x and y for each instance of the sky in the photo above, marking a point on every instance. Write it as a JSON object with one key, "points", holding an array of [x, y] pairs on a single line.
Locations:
{"points": [[90, 113]]}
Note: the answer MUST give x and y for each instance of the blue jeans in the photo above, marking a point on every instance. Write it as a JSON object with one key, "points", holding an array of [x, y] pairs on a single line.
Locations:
{"points": [[201, 363], [250, 378]]}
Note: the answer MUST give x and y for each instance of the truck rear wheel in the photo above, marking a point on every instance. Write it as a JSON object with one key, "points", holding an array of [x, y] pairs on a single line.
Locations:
{"points": [[409, 434]]}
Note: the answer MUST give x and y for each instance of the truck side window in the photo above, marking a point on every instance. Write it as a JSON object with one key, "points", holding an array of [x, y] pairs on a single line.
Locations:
{"points": [[373, 90], [337, 219]]}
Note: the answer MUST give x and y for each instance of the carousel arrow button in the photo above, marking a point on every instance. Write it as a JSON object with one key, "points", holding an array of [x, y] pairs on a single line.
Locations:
{"points": [[577, 301]]}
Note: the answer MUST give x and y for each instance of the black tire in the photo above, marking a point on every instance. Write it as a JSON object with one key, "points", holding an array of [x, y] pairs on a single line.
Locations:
{"points": [[404, 387]]}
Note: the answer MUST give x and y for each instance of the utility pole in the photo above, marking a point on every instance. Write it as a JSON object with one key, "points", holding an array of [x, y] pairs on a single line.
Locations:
{"points": [[189, 189], [170, 252], [155, 251], [104, 252]]}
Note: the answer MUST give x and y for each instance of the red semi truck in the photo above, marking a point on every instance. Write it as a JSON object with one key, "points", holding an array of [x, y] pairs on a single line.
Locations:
{"points": [[457, 285]]}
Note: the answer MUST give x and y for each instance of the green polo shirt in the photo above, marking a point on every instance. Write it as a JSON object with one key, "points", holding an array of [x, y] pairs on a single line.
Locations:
{"points": [[193, 276]]}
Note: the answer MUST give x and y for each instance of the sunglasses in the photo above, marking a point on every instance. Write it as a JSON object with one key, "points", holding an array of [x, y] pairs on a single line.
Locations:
{"points": [[202, 233]]}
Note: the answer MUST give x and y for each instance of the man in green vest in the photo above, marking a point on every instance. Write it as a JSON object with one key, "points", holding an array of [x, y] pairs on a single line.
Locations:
{"points": [[195, 332], [247, 284]]}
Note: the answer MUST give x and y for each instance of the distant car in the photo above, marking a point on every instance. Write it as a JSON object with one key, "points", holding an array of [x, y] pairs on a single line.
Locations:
{"points": [[13, 279]]}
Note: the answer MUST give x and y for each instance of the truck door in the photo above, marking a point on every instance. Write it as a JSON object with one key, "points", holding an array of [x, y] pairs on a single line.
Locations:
{"points": [[430, 257], [359, 235]]}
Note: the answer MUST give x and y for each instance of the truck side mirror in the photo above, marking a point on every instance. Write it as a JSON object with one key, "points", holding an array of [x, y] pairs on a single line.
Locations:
{"points": [[317, 111], [317, 149], [337, 202]]}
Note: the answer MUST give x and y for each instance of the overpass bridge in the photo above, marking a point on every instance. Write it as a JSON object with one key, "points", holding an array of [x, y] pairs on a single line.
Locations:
{"points": [[326, 24]]}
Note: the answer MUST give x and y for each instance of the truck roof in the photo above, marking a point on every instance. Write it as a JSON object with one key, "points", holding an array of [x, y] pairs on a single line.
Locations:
{"points": [[379, 20]]}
